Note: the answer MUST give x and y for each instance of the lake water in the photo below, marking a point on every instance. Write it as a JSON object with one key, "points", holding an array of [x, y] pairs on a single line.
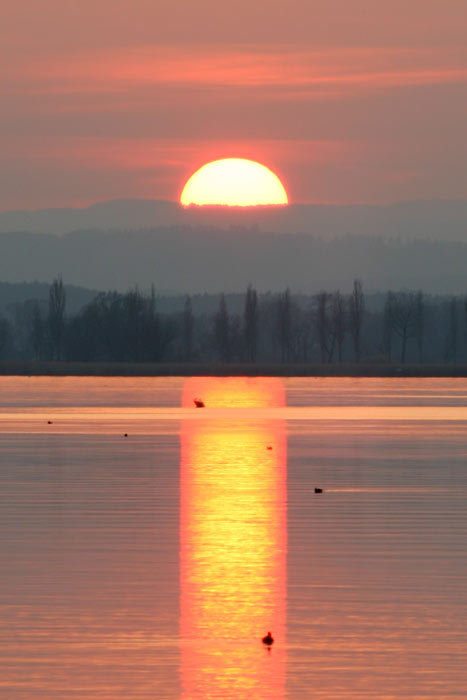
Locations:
{"points": [[150, 565]]}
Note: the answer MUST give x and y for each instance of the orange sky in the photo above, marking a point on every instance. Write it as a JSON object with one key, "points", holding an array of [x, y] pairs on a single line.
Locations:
{"points": [[347, 101]]}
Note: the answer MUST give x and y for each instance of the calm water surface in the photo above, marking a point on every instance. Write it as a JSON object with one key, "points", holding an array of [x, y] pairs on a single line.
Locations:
{"points": [[150, 565]]}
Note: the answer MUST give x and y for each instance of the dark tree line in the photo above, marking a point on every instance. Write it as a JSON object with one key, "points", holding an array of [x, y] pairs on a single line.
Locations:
{"points": [[328, 327]]}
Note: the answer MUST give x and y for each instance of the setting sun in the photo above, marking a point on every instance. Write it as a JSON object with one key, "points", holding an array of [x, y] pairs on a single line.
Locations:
{"points": [[236, 182]]}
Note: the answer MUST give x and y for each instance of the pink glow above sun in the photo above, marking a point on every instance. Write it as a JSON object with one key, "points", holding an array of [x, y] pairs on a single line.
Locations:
{"points": [[234, 182]]}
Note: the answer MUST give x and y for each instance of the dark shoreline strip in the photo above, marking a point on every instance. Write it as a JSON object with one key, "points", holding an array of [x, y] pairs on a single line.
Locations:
{"points": [[130, 369]]}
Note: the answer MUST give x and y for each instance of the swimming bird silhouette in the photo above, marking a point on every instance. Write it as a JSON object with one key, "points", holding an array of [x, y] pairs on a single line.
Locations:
{"points": [[268, 639]]}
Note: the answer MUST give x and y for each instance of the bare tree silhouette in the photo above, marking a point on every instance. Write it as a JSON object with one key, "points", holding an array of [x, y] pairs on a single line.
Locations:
{"points": [[37, 332], [56, 318], [420, 323], [250, 323], [188, 326], [451, 334], [326, 337], [221, 330], [403, 312], [356, 314], [338, 321], [387, 326], [4, 329], [284, 324], [465, 316]]}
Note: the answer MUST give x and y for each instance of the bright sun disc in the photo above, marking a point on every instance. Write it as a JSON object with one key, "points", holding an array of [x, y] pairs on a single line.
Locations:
{"points": [[235, 182]]}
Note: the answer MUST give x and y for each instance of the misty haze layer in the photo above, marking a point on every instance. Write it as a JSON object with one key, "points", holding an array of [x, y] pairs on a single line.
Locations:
{"points": [[408, 245], [194, 260], [433, 219]]}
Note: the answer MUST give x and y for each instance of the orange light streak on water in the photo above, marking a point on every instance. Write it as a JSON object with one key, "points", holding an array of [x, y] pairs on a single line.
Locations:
{"points": [[233, 544]]}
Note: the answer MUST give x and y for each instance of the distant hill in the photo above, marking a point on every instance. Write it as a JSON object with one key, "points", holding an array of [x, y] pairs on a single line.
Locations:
{"points": [[433, 219], [18, 293], [190, 260]]}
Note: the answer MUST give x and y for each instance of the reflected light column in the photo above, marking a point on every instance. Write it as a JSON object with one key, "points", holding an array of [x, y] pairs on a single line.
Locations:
{"points": [[233, 541]]}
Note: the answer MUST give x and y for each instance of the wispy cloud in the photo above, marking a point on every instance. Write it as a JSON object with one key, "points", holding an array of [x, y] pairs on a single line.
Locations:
{"points": [[147, 154], [344, 69], [162, 166], [142, 120]]}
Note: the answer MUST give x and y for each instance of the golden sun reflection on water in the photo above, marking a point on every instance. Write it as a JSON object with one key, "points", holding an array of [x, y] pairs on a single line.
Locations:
{"points": [[233, 544]]}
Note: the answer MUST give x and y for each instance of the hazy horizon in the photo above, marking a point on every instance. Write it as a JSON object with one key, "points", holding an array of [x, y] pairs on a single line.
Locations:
{"points": [[174, 202]]}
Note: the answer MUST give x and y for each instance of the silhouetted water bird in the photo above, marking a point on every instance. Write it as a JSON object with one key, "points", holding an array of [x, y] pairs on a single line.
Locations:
{"points": [[268, 639], [126, 435], [199, 403], [318, 490], [49, 422]]}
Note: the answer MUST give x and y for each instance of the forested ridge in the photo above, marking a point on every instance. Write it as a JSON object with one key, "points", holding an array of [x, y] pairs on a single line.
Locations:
{"points": [[211, 260]]}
